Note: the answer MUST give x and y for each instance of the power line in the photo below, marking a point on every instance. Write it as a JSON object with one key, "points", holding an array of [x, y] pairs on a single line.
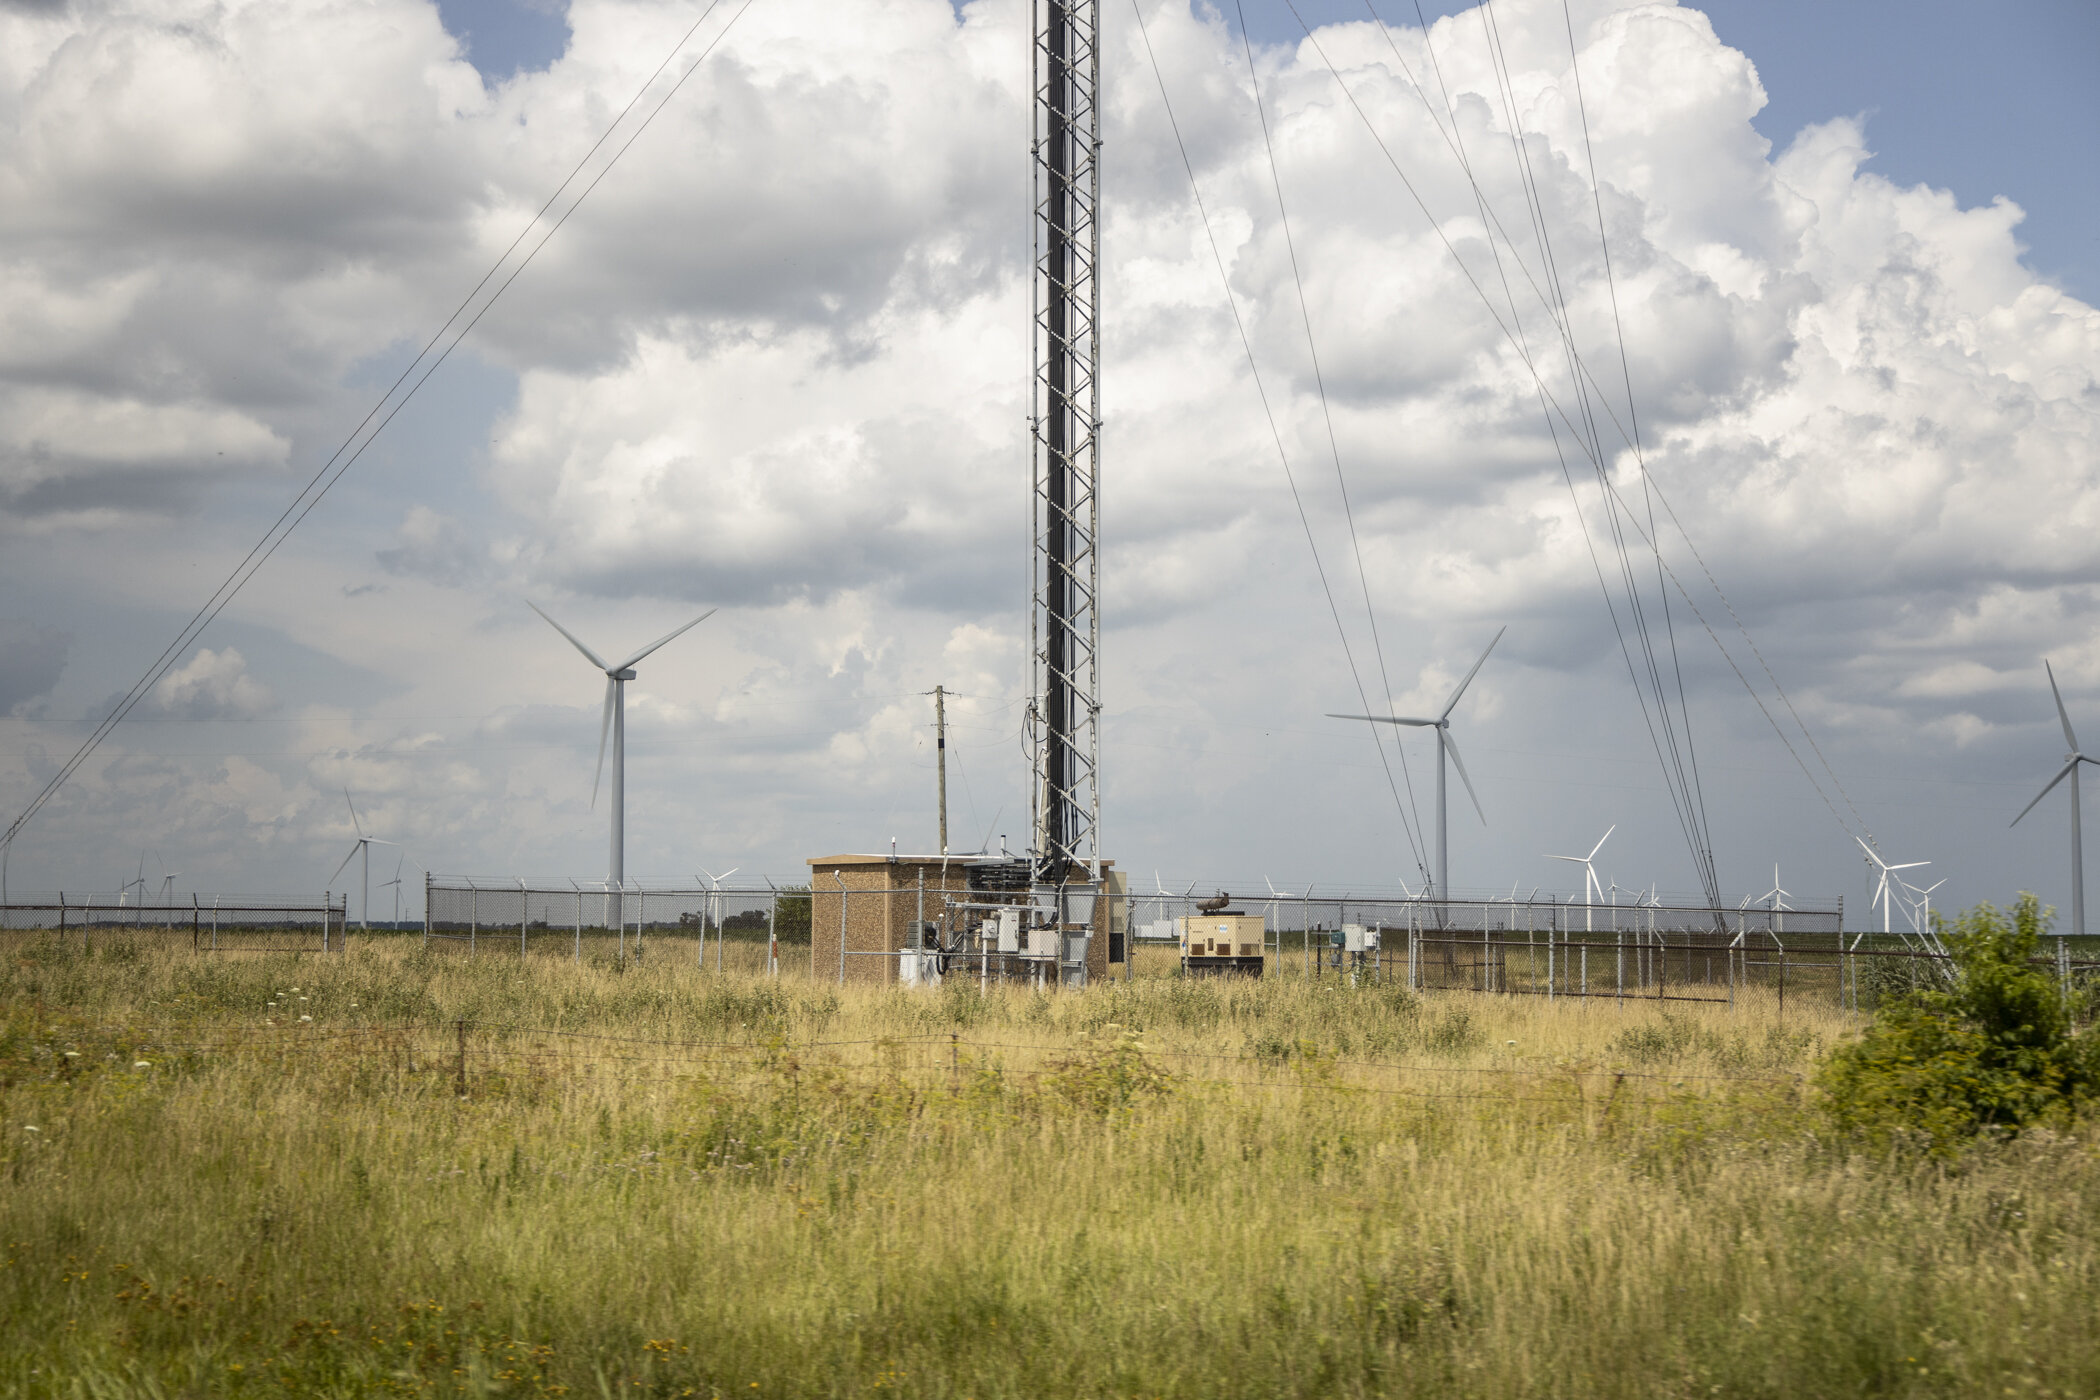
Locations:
{"points": [[1327, 417], [1589, 440], [1275, 432], [367, 430]]}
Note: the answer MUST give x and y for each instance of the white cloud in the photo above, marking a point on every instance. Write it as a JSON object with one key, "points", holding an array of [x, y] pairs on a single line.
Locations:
{"points": [[214, 685], [779, 363]]}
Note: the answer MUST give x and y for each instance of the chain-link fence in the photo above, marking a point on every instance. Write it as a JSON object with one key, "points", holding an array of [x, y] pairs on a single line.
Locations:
{"points": [[202, 923], [493, 914]]}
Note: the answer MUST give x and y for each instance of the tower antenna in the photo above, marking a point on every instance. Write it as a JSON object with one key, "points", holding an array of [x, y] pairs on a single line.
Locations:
{"points": [[1064, 617]]}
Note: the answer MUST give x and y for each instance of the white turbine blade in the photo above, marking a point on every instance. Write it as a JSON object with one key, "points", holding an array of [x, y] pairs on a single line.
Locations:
{"points": [[2061, 774], [357, 825], [727, 873], [1576, 859], [1452, 703], [1602, 839], [1390, 719], [1871, 854], [1910, 865], [1451, 747], [672, 635], [604, 729], [403, 860], [347, 859], [589, 655], [2061, 713]]}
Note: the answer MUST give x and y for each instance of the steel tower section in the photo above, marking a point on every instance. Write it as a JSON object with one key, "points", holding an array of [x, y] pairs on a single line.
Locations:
{"points": [[1065, 576]]}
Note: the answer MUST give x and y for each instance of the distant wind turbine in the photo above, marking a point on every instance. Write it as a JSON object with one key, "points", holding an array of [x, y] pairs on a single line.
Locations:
{"points": [[1445, 745], [361, 848], [396, 883], [615, 724], [1592, 891], [2069, 770], [1884, 888]]}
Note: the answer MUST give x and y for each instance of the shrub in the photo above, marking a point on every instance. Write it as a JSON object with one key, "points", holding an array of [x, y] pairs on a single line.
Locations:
{"points": [[1991, 1054]]}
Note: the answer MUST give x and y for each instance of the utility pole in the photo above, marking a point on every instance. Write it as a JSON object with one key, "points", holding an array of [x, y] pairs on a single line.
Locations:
{"points": [[940, 748]]}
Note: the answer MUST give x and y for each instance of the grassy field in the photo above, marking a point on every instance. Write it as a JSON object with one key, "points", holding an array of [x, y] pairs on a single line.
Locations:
{"points": [[665, 1181]]}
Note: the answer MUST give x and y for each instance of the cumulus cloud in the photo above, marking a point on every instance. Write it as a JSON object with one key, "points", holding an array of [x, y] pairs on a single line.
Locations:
{"points": [[214, 685], [780, 362], [31, 658]]}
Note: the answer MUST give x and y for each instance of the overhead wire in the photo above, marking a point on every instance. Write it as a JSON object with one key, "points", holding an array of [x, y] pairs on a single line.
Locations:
{"points": [[1490, 224], [367, 430], [1669, 752], [1589, 442], [1327, 417], [1269, 413], [1634, 422]]}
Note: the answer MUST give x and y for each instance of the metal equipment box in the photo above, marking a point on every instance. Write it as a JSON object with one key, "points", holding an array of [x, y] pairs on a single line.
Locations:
{"points": [[1230, 942]]}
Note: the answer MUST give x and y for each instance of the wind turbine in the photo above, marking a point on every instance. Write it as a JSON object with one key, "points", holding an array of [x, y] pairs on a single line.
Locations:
{"points": [[1921, 907], [714, 900], [615, 723], [1444, 745], [2069, 770], [1592, 891], [1883, 893], [362, 847], [1775, 901], [396, 883], [167, 888], [167, 882]]}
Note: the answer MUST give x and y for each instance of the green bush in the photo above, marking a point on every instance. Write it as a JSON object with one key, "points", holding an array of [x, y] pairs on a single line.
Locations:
{"points": [[1991, 1054]]}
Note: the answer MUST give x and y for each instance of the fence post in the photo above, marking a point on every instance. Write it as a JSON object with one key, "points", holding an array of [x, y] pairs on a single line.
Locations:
{"points": [[426, 909], [462, 1081], [196, 922], [579, 921], [773, 935], [473, 917], [524, 915]]}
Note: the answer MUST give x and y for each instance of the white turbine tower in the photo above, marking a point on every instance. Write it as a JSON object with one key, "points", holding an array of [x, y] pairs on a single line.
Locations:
{"points": [[1592, 891], [1445, 745], [615, 724], [396, 885], [1775, 901], [362, 847], [714, 899], [1884, 888], [1920, 904], [167, 882], [2069, 770]]}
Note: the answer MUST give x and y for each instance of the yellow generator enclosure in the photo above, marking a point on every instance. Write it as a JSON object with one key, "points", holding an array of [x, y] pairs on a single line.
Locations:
{"points": [[1228, 942]]}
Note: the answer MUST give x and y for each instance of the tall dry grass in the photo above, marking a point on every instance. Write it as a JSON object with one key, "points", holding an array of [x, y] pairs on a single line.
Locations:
{"points": [[667, 1181]]}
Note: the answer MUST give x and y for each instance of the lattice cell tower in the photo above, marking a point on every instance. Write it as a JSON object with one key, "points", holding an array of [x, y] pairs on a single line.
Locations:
{"points": [[1064, 614]]}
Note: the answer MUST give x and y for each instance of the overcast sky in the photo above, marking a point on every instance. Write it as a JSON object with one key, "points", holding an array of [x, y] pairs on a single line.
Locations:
{"points": [[777, 364]]}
